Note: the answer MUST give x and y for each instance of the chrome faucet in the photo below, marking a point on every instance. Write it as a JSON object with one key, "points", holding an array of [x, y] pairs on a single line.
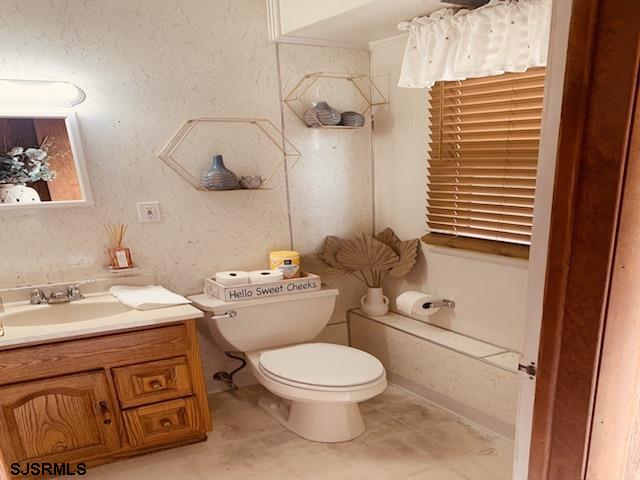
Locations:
{"points": [[72, 294], [37, 297], [57, 297]]}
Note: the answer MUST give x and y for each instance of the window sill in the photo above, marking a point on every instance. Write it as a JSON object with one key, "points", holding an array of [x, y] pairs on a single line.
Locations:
{"points": [[501, 249]]}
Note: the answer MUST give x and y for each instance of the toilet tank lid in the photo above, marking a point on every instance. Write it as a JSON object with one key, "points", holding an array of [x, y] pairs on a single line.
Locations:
{"points": [[209, 304], [322, 364]]}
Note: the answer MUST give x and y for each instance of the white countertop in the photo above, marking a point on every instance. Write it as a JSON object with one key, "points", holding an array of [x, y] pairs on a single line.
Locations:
{"points": [[26, 327]]}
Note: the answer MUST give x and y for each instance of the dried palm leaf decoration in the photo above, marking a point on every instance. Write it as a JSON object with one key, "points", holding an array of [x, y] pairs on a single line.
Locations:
{"points": [[406, 250], [369, 259], [331, 246], [365, 252]]}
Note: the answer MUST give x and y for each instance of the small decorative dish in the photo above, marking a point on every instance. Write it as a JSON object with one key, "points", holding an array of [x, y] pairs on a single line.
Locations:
{"points": [[251, 181]]}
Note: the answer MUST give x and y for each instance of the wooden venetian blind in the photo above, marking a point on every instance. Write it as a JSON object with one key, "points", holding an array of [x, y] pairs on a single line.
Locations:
{"points": [[483, 156]]}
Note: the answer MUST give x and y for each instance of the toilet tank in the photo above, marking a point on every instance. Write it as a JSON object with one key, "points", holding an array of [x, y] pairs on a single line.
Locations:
{"points": [[267, 322]]}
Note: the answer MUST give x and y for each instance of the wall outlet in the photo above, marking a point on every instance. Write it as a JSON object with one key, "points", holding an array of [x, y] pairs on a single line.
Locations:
{"points": [[149, 212]]}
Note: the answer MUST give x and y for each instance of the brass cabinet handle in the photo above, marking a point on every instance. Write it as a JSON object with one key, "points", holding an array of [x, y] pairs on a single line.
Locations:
{"points": [[165, 422], [156, 385], [104, 406]]}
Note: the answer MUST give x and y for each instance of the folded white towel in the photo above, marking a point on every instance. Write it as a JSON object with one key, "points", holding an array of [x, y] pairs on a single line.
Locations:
{"points": [[147, 298]]}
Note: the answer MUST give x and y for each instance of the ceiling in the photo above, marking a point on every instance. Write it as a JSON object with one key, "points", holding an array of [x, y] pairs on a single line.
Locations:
{"points": [[371, 22]]}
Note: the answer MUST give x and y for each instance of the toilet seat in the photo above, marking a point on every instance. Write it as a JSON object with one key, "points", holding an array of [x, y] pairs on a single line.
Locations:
{"points": [[321, 366], [316, 412]]}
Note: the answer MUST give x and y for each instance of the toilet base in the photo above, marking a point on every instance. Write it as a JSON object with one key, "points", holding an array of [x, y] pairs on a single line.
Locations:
{"points": [[320, 422]]}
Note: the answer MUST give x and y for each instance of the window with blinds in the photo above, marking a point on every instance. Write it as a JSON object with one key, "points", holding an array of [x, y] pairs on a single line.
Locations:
{"points": [[483, 156]]}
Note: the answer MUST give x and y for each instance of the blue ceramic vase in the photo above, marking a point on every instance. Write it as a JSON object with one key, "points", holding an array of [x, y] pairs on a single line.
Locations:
{"points": [[219, 177]]}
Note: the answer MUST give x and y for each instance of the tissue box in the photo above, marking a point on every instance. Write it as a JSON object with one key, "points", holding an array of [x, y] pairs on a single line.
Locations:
{"points": [[306, 282]]}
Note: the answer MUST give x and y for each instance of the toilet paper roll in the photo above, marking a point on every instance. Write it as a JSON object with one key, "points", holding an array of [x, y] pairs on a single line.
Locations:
{"points": [[266, 276], [229, 279], [415, 304]]}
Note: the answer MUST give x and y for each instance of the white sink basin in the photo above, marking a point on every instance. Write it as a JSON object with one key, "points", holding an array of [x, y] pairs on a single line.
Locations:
{"points": [[50, 315], [98, 313]]}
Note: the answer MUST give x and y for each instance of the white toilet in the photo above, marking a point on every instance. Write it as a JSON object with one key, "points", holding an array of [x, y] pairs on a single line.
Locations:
{"points": [[318, 385]]}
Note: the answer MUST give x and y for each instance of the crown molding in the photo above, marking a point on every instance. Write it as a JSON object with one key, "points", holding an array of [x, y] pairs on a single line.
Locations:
{"points": [[320, 42]]}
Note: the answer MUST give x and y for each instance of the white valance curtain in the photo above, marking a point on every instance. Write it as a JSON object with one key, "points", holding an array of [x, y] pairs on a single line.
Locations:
{"points": [[502, 36]]}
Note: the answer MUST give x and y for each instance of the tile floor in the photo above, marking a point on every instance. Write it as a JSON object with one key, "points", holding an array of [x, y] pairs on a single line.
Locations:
{"points": [[406, 438]]}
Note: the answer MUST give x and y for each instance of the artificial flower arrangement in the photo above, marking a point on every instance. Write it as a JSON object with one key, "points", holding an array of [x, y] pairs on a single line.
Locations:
{"points": [[20, 166]]}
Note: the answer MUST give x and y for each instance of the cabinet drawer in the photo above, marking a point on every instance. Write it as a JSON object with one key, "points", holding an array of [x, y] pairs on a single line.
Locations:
{"points": [[152, 382], [110, 349], [162, 422]]}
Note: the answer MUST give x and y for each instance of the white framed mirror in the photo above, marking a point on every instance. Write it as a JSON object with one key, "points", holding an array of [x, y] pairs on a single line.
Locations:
{"points": [[41, 160]]}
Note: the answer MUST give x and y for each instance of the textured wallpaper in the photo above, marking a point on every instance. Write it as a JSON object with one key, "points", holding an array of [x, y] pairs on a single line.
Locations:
{"points": [[146, 67]]}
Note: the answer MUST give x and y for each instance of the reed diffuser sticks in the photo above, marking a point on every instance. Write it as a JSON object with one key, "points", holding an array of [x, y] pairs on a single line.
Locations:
{"points": [[119, 256], [116, 233]]}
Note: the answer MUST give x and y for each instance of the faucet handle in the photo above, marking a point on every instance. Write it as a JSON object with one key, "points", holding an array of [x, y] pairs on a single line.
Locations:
{"points": [[74, 293], [38, 297]]}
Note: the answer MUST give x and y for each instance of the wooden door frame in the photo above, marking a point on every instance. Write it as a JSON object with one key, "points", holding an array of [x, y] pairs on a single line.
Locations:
{"points": [[595, 130]]}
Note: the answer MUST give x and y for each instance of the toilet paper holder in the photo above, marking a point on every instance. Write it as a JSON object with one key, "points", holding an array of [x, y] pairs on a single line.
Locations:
{"points": [[439, 304]]}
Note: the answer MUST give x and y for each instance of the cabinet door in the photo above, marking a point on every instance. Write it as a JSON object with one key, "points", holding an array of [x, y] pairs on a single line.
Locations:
{"points": [[68, 418]]}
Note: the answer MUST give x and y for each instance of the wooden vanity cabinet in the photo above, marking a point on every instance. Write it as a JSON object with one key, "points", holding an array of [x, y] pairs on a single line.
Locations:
{"points": [[96, 399], [58, 419]]}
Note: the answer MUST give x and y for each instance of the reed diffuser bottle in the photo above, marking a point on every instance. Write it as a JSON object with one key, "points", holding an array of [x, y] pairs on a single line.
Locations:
{"points": [[119, 256]]}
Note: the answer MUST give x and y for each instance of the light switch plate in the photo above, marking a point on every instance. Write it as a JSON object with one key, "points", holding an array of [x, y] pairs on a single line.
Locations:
{"points": [[149, 212]]}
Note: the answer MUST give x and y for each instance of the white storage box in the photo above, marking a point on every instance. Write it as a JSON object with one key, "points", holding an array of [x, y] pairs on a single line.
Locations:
{"points": [[306, 282]]}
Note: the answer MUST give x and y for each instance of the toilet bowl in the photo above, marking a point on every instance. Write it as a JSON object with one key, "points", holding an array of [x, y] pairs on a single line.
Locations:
{"points": [[316, 387]]}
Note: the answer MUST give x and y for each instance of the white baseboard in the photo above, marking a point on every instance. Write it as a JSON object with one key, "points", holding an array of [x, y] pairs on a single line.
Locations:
{"points": [[499, 427]]}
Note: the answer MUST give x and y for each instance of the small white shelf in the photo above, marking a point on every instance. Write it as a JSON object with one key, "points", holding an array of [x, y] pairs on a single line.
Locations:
{"points": [[122, 272]]}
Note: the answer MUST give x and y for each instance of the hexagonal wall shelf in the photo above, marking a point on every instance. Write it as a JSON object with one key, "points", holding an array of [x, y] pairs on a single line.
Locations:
{"points": [[299, 104], [264, 126]]}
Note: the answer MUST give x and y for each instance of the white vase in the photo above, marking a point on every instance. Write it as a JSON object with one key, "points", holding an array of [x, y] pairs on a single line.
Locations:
{"points": [[374, 303], [18, 194]]}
